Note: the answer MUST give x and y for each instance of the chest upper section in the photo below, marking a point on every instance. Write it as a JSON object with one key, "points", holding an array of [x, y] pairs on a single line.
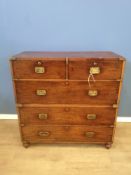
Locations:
{"points": [[103, 66]]}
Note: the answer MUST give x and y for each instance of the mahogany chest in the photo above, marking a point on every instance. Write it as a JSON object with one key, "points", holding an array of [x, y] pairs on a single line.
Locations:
{"points": [[67, 97]]}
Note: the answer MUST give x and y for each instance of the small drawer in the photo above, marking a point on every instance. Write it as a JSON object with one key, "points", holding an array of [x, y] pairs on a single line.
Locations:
{"points": [[67, 133], [39, 68], [67, 115], [101, 69]]}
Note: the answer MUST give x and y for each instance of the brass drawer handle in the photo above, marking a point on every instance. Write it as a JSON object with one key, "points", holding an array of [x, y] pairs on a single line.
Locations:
{"points": [[41, 92], [91, 116], [39, 70], [43, 133], [90, 134], [94, 70], [92, 93], [42, 116]]}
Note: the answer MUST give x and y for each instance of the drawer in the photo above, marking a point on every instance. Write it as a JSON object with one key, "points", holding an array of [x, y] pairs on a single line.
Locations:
{"points": [[103, 93], [102, 69], [39, 69], [67, 115], [65, 133]]}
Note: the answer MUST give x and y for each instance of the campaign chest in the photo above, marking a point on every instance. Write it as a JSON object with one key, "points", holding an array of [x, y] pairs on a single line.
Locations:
{"points": [[67, 97]]}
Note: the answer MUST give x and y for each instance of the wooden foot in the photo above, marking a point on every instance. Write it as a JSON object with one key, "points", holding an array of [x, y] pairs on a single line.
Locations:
{"points": [[26, 144], [108, 145]]}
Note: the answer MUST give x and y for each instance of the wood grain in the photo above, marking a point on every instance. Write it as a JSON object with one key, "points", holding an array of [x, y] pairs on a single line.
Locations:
{"points": [[62, 93], [94, 54], [109, 70], [118, 100], [65, 133], [67, 102], [67, 115], [54, 69]]}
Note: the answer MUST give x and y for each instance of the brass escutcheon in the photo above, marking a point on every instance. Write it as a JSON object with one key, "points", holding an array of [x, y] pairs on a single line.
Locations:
{"points": [[39, 63]]}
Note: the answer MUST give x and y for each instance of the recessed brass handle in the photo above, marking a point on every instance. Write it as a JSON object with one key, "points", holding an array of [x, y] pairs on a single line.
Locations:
{"points": [[94, 70], [90, 134], [39, 70], [43, 133], [42, 116], [41, 92], [91, 116], [92, 93]]}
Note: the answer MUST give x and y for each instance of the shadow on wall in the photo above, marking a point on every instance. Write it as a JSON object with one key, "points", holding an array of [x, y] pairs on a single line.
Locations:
{"points": [[7, 105], [125, 101], [7, 100]]}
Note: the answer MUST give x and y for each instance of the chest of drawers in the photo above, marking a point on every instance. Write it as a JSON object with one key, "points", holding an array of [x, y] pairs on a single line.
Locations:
{"points": [[67, 97]]}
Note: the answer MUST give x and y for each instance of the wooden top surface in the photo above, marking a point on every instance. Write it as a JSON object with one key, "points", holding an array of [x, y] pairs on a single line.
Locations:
{"points": [[92, 54]]}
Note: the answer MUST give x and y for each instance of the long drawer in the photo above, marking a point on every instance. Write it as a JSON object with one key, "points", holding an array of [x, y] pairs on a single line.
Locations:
{"points": [[103, 93], [67, 115], [66, 133]]}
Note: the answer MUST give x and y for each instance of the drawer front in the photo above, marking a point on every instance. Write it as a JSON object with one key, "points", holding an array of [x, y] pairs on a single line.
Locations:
{"points": [[67, 133], [101, 69], [39, 69], [103, 93], [67, 115]]}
